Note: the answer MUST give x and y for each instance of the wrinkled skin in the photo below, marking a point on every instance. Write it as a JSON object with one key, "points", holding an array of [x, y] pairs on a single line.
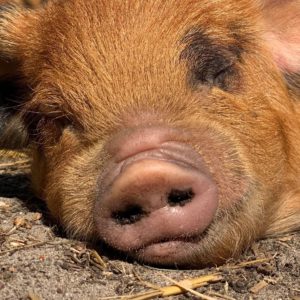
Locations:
{"points": [[167, 129]]}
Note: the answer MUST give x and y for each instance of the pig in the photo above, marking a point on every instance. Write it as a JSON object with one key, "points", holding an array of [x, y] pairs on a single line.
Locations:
{"points": [[168, 130]]}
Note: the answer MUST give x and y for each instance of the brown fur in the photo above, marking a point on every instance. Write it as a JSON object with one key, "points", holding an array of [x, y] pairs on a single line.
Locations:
{"points": [[92, 68]]}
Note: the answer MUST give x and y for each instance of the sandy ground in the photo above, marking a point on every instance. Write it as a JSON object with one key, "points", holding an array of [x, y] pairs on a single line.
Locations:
{"points": [[38, 262]]}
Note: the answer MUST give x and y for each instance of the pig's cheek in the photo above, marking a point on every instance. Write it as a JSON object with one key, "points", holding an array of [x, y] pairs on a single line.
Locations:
{"points": [[228, 165], [66, 177], [74, 196]]}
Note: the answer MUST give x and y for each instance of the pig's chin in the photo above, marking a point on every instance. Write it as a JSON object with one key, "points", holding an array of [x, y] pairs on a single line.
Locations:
{"points": [[154, 203]]}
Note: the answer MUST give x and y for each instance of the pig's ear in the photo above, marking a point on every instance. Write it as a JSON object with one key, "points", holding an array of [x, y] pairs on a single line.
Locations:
{"points": [[282, 33], [17, 26]]}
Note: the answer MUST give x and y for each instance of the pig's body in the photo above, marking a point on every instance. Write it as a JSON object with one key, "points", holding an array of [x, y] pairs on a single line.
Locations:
{"points": [[164, 128]]}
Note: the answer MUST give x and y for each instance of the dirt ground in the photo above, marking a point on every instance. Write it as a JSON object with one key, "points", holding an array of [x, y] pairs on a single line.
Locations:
{"points": [[38, 262]]}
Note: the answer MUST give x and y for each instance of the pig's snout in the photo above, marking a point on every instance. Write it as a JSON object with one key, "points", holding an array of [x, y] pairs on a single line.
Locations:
{"points": [[156, 200]]}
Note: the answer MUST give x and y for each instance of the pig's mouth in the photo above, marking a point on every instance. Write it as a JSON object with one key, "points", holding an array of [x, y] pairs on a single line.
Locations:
{"points": [[155, 204], [169, 251]]}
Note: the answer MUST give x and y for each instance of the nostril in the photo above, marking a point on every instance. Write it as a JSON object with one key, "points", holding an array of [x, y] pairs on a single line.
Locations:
{"points": [[180, 197], [131, 214]]}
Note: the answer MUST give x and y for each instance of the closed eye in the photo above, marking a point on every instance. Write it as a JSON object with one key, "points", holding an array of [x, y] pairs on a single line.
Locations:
{"points": [[208, 63]]}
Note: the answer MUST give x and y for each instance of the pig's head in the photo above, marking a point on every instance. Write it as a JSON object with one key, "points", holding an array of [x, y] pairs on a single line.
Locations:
{"points": [[167, 129]]}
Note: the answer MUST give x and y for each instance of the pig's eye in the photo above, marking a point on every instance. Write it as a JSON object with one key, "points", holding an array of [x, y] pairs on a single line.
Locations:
{"points": [[208, 62], [216, 72]]}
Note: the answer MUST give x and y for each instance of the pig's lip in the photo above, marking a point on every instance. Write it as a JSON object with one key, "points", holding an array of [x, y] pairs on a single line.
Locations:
{"points": [[167, 251]]}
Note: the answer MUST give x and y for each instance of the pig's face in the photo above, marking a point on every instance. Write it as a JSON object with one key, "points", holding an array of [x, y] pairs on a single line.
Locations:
{"points": [[162, 128]]}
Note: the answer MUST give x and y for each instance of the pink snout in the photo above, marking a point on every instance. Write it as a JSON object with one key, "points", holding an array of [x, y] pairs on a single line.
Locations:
{"points": [[156, 201]]}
